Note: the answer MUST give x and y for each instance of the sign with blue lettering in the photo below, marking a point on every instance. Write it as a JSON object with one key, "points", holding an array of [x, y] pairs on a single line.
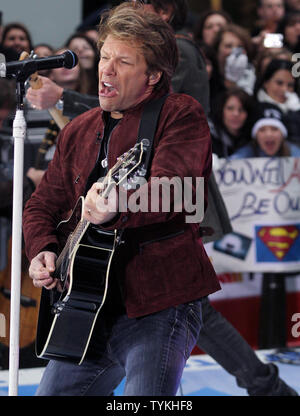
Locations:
{"points": [[262, 196]]}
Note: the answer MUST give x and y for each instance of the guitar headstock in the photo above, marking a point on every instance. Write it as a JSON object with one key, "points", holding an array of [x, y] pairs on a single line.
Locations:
{"points": [[129, 171]]}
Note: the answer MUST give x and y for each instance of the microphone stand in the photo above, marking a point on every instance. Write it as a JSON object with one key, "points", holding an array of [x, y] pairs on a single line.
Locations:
{"points": [[19, 133]]}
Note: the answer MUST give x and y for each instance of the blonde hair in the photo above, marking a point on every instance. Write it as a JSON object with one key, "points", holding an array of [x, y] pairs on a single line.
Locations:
{"points": [[129, 22]]}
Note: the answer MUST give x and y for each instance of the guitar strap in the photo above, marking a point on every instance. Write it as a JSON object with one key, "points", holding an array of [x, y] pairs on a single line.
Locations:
{"points": [[147, 128], [216, 222]]}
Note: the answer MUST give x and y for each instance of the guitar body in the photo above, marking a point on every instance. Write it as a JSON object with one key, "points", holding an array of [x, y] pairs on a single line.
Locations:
{"points": [[68, 313], [30, 296], [67, 318]]}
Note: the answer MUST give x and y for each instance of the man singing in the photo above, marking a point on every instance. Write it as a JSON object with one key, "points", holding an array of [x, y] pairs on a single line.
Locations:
{"points": [[152, 314]]}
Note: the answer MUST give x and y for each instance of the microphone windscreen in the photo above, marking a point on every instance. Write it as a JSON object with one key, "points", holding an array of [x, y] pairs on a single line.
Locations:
{"points": [[71, 59]]}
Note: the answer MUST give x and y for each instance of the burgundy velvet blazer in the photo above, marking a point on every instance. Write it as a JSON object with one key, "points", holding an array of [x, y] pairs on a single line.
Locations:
{"points": [[165, 271]]}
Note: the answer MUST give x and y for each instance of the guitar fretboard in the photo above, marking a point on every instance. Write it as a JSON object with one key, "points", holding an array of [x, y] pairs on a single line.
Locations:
{"points": [[72, 241]]}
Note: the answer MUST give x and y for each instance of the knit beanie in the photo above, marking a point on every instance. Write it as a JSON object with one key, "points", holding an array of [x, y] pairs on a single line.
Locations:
{"points": [[269, 115]]}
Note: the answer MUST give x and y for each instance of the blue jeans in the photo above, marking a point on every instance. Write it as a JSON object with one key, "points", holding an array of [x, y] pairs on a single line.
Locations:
{"points": [[219, 339], [150, 351]]}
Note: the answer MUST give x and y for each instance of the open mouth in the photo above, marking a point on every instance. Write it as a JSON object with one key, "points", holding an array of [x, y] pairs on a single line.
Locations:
{"points": [[107, 90], [270, 145]]}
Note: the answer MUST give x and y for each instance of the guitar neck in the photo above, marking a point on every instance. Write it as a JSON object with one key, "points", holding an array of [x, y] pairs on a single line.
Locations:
{"points": [[58, 117], [126, 163]]}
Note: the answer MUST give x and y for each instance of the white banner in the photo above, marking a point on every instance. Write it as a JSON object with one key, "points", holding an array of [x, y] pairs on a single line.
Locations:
{"points": [[262, 196], [248, 285]]}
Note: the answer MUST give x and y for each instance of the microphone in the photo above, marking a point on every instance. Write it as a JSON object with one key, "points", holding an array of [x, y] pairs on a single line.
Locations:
{"points": [[27, 67]]}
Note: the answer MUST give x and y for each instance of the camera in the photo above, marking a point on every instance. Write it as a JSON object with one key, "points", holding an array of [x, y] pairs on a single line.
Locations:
{"points": [[273, 40]]}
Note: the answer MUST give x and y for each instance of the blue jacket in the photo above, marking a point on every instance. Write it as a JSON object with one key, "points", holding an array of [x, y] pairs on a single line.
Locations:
{"points": [[249, 151]]}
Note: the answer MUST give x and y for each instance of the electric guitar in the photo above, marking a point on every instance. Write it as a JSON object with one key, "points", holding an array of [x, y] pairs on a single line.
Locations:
{"points": [[67, 316], [29, 300]]}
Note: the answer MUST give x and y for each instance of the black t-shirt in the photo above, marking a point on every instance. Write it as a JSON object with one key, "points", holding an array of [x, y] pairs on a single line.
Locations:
{"points": [[100, 170], [114, 304]]}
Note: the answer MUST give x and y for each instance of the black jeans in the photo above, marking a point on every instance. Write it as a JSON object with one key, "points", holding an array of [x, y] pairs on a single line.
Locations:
{"points": [[219, 339]]}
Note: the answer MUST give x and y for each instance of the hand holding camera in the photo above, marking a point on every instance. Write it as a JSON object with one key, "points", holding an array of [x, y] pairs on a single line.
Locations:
{"points": [[235, 65]]}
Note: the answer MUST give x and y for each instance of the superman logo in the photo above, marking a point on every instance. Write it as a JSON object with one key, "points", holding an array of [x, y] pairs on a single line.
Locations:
{"points": [[281, 241]]}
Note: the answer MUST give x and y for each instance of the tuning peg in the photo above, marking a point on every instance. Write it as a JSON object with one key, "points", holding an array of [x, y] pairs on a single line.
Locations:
{"points": [[134, 179], [141, 171], [145, 142], [127, 186]]}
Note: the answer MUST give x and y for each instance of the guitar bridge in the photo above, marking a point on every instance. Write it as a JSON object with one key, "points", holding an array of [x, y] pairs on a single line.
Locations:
{"points": [[58, 307]]}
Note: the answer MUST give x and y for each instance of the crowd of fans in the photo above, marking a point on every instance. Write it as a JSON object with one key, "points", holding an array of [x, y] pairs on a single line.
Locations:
{"points": [[248, 72], [252, 75], [245, 69]]}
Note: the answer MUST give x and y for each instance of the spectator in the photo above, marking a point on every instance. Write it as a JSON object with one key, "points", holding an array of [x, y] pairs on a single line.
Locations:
{"points": [[43, 50], [269, 12], [229, 37], [88, 57], [234, 51], [17, 36], [190, 76], [209, 24], [75, 79], [277, 86], [269, 134], [264, 57], [84, 48], [230, 121], [290, 29]]}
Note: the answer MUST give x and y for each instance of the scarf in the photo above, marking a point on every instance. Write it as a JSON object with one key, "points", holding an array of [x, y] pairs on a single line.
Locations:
{"points": [[292, 102]]}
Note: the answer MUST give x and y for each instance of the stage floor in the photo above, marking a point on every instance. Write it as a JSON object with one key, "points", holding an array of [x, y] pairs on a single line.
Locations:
{"points": [[202, 376]]}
